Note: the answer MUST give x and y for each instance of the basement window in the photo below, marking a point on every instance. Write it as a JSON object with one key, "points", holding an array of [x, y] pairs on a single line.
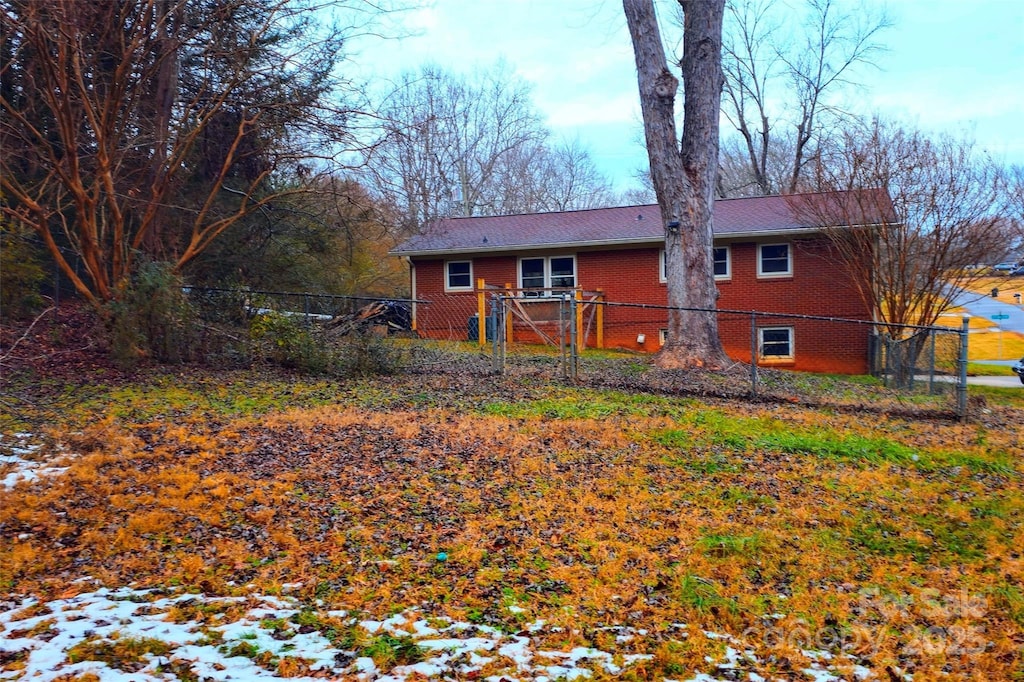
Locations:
{"points": [[775, 343]]}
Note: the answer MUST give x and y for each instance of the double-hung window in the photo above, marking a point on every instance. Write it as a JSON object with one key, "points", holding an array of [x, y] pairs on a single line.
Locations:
{"points": [[546, 273], [775, 343], [774, 260], [458, 275], [722, 263]]}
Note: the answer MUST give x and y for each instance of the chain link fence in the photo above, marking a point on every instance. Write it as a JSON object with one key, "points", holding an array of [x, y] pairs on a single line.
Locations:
{"points": [[238, 306], [570, 335], [764, 346]]}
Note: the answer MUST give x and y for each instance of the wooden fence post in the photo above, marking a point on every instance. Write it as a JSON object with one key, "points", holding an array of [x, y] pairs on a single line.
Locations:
{"points": [[599, 302], [508, 315], [581, 340]]}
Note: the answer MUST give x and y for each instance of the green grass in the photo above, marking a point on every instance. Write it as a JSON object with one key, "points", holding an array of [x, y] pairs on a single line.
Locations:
{"points": [[709, 465], [710, 427], [999, 395], [725, 545], [992, 462], [827, 445], [1009, 598], [118, 652], [586, 404], [702, 595], [243, 649], [166, 397], [975, 369], [724, 434], [388, 651], [714, 428]]}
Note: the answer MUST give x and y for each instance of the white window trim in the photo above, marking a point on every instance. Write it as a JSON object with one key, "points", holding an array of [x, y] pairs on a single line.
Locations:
{"points": [[789, 260], [447, 277], [728, 263], [547, 272], [663, 277], [775, 358]]}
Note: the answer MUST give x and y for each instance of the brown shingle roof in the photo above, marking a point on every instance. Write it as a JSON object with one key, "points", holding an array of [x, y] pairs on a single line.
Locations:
{"points": [[747, 217]]}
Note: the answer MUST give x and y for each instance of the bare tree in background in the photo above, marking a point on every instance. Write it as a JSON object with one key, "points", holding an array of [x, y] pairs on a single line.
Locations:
{"points": [[1016, 194], [554, 178], [154, 126], [779, 86], [950, 211], [446, 138], [683, 169], [464, 146]]}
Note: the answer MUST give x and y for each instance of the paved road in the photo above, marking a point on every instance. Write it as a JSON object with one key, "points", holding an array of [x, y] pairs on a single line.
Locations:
{"points": [[986, 306], [1009, 382]]}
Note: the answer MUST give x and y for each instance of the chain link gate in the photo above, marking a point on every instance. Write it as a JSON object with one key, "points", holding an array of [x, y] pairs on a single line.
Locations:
{"points": [[505, 309]]}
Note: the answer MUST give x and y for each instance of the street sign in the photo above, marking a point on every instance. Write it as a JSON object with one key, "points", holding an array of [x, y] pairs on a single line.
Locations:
{"points": [[1000, 316]]}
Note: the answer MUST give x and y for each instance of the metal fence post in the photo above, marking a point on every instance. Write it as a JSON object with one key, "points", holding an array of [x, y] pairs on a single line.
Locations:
{"points": [[506, 326], [931, 373], [961, 386], [753, 353], [887, 366], [574, 352], [561, 336], [494, 328]]}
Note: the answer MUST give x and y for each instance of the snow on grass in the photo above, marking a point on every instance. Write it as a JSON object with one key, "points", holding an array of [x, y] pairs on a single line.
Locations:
{"points": [[22, 464], [256, 637]]}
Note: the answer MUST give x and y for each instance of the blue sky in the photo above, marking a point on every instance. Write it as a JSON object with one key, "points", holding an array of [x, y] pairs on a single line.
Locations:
{"points": [[950, 65]]}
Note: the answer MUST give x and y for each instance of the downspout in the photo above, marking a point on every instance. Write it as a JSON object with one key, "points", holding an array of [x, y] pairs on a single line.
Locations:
{"points": [[412, 290]]}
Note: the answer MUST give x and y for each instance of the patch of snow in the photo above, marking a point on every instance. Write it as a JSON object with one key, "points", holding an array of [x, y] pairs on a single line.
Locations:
{"points": [[25, 470], [819, 675], [41, 634]]}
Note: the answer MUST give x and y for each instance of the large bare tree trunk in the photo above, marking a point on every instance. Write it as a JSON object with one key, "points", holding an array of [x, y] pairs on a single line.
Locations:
{"points": [[683, 172]]}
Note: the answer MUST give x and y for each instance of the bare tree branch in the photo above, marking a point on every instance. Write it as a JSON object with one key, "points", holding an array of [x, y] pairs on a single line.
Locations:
{"points": [[780, 82], [154, 126]]}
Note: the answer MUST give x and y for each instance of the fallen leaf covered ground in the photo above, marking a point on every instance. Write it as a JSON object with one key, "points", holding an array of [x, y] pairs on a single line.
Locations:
{"points": [[458, 525]]}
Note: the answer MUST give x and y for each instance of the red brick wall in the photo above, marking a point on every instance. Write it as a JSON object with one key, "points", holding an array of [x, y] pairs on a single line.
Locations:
{"points": [[447, 315], [817, 287]]}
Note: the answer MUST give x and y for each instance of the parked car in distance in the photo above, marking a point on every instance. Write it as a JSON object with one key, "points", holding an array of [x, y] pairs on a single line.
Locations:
{"points": [[1017, 272], [1005, 266], [1018, 369]]}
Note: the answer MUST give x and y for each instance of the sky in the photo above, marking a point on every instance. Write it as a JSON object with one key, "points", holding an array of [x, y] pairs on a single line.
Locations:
{"points": [[949, 66]]}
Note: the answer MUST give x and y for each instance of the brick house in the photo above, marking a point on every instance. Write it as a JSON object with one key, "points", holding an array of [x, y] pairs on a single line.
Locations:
{"points": [[771, 255]]}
